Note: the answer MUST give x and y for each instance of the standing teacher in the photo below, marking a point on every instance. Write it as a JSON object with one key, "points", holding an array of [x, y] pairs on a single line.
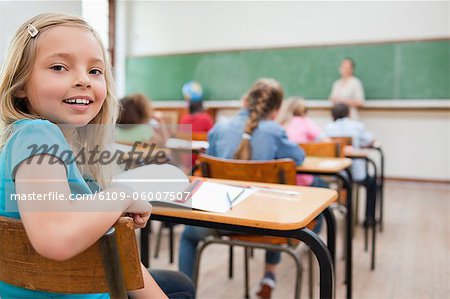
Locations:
{"points": [[348, 89]]}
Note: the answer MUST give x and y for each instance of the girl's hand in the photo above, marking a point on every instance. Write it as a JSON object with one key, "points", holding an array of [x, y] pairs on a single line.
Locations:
{"points": [[140, 220], [140, 211]]}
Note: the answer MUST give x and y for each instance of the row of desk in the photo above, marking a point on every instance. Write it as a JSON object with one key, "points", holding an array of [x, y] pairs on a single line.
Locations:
{"points": [[283, 218]]}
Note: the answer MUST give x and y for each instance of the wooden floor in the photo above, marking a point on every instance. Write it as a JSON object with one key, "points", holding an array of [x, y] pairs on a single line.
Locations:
{"points": [[412, 261]]}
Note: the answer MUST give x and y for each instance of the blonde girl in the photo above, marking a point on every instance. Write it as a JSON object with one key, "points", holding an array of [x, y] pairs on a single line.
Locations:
{"points": [[299, 128], [56, 96]]}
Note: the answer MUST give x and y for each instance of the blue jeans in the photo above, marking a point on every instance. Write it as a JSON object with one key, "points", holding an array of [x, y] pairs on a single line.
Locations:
{"points": [[174, 284], [190, 238]]}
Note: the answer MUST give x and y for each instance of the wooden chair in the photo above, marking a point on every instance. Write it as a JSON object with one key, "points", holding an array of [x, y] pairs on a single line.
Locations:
{"points": [[343, 142], [111, 265], [281, 171], [200, 136]]}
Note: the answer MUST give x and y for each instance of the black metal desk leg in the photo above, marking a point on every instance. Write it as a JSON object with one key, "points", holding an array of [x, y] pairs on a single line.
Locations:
{"points": [[331, 233], [381, 186], [327, 288], [347, 182], [373, 220]]}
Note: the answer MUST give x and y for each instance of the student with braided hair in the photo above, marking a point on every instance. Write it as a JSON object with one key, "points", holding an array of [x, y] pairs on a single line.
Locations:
{"points": [[251, 135]]}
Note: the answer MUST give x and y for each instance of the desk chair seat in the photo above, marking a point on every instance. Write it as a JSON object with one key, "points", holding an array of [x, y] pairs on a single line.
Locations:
{"points": [[111, 265], [278, 171]]}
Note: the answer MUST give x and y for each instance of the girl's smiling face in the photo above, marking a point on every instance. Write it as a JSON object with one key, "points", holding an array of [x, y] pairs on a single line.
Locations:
{"points": [[67, 83]]}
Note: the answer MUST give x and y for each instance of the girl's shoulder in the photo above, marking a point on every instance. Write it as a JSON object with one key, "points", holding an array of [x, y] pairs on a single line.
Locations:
{"points": [[270, 126], [34, 124], [37, 131]]}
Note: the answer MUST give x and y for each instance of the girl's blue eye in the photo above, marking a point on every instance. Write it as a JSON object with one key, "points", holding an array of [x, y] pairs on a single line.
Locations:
{"points": [[58, 68], [96, 72]]}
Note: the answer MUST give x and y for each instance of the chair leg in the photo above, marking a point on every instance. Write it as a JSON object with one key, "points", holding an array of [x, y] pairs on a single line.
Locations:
{"points": [[310, 274], [344, 238], [298, 281], [374, 229], [374, 237], [230, 262], [158, 240], [366, 236], [196, 270], [356, 205], [246, 275]]}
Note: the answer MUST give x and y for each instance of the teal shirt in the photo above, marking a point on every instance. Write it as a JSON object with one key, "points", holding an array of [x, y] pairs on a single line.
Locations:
{"points": [[42, 137]]}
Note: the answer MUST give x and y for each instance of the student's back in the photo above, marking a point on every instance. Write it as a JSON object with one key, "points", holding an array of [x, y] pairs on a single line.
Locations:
{"points": [[268, 141], [347, 127], [343, 126], [250, 135]]}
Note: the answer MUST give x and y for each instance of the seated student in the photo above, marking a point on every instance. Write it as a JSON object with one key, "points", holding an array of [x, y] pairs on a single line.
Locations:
{"points": [[343, 126], [300, 129], [138, 122], [41, 107], [251, 135], [200, 120]]}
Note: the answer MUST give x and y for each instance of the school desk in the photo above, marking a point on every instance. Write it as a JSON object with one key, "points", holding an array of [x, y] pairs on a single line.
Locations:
{"points": [[353, 153], [336, 167], [350, 152], [266, 214]]}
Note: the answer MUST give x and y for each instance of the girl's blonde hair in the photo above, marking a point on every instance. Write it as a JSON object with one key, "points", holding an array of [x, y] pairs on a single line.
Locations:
{"points": [[16, 71], [294, 106], [264, 97]]}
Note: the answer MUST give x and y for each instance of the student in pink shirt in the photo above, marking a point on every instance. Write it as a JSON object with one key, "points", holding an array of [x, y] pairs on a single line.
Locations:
{"points": [[299, 129]]}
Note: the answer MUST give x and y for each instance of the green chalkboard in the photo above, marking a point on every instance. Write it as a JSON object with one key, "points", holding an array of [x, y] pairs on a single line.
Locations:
{"points": [[406, 70]]}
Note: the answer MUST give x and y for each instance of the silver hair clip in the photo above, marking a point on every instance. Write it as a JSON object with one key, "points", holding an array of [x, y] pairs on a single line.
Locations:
{"points": [[32, 30], [246, 136]]}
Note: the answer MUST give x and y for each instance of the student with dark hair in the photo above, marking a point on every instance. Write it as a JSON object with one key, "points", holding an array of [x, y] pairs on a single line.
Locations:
{"points": [[138, 122], [348, 89], [200, 121], [343, 126]]}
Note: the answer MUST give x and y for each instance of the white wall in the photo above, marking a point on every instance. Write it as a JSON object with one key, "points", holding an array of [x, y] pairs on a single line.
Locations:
{"points": [[14, 13], [157, 27], [416, 143]]}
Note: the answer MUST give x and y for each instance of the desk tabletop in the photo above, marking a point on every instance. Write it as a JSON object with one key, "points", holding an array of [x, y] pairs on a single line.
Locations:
{"points": [[324, 165], [351, 152], [264, 209]]}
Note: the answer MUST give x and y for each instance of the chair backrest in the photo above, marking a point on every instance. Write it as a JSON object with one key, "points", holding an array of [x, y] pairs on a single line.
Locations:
{"points": [[22, 266], [200, 136], [281, 171], [322, 149], [343, 142]]}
